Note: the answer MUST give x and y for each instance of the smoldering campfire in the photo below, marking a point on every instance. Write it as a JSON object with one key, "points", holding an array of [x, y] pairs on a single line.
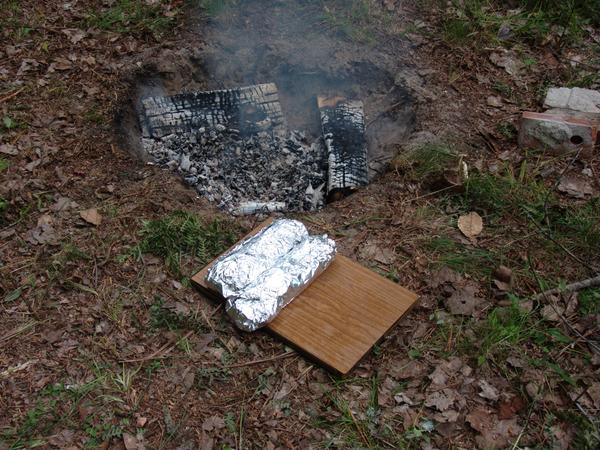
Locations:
{"points": [[260, 121]]}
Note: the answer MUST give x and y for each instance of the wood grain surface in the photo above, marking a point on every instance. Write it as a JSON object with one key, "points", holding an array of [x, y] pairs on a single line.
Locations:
{"points": [[340, 316]]}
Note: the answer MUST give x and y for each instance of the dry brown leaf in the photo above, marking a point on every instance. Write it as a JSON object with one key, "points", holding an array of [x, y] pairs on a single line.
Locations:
{"points": [[464, 301], [91, 216], [488, 391], [470, 224]]}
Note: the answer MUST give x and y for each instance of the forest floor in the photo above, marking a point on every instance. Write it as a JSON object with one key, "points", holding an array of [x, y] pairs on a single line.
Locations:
{"points": [[105, 344]]}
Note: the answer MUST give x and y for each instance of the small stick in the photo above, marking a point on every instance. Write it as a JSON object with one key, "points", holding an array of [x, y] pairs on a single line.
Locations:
{"points": [[591, 343], [573, 287], [260, 361], [160, 353], [9, 96]]}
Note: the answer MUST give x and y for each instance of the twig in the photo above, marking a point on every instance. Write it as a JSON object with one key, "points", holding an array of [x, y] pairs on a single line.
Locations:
{"points": [[20, 329], [9, 96], [160, 353], [591, 343], [573, 287], [260, 361]]}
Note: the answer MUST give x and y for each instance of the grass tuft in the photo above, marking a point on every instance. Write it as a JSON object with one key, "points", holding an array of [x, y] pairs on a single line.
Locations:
{"points": [[182, 233], [132, 16]]}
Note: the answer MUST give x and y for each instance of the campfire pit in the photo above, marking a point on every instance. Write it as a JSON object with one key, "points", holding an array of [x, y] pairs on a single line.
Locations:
{"points": [[233, 147]]}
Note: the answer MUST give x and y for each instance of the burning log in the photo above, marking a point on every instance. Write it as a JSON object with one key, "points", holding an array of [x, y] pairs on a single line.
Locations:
{"points": [[248, 109], [343, 125]]}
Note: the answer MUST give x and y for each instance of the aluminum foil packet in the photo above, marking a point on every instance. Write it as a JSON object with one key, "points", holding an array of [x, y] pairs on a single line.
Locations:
{"points": [[266, 272], [245, 262]]}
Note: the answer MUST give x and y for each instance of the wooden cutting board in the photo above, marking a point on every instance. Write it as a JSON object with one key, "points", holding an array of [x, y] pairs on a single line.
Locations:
{"points": [[340, 316]]}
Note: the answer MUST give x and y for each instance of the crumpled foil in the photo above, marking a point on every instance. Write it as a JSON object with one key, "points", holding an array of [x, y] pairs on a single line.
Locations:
{"points": [[244, 263], [258, 288]]}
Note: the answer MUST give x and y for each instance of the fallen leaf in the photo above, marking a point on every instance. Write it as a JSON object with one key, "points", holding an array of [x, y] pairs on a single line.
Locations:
{"points": [[494, 433], [470, 224], [488, 391], [551, 313], [62, 64], [443, 276], [463, 301], [141, 421], [594, 392], [91, 216], [441, 400], [74, 34], [509, 61], [213, 423], [44, 232], [9, 149], [132, 442], [408, 369], [575, 186], [509, 408]]}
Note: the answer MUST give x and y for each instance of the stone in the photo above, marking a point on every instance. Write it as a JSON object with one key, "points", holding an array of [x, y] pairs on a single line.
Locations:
{"points": [[576, 99], [558, 133]]}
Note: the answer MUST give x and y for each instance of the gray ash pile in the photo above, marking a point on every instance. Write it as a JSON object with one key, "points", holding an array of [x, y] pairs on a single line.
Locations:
{"points": [[245, 174]]}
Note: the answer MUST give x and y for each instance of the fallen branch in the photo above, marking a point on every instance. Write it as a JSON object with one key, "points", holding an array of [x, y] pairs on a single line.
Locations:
{"points": [[9, 96], [573, 287]]}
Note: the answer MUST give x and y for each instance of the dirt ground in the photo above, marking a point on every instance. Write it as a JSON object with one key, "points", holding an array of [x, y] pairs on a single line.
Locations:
{"points": [[104, 343]]}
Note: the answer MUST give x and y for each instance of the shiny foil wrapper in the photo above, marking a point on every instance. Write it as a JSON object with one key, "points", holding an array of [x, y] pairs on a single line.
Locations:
{"points": [[266, 272], [244, 263]]}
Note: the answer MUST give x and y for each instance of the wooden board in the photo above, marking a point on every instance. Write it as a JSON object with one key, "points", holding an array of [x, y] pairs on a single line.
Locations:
{"points": [[340, 316]]}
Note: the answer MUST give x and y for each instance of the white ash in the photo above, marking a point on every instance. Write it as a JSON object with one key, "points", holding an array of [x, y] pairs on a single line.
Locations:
{"points": [[246, 174]]}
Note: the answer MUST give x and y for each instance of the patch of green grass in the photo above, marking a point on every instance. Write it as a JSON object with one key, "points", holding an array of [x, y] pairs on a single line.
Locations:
{"points": [[56, 405], [587, 435], [182, 233], [578, 226], [362, 429], [457, 31], [68, 255], [132, 16], [502, 331], [3, 164], [94, 116], [507, 130], [503, 88], [589, 301], [104, 430], [429, 160], [462, 258], [206, 377], [507, 328], [480, 21]]}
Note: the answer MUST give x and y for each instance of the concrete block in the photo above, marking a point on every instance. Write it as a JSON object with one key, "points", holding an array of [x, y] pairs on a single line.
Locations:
{"points": [[558, 134], [576, 99]]}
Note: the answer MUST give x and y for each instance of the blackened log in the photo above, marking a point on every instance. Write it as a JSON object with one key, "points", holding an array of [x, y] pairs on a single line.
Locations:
{"points": [[248, 109], [343, 125]]}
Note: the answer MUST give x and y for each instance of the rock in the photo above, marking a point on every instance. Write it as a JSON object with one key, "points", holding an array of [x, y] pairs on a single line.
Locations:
{"points": [[575, 186], [557, 133], [185, 163], [576, 99], [494, 101]]}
